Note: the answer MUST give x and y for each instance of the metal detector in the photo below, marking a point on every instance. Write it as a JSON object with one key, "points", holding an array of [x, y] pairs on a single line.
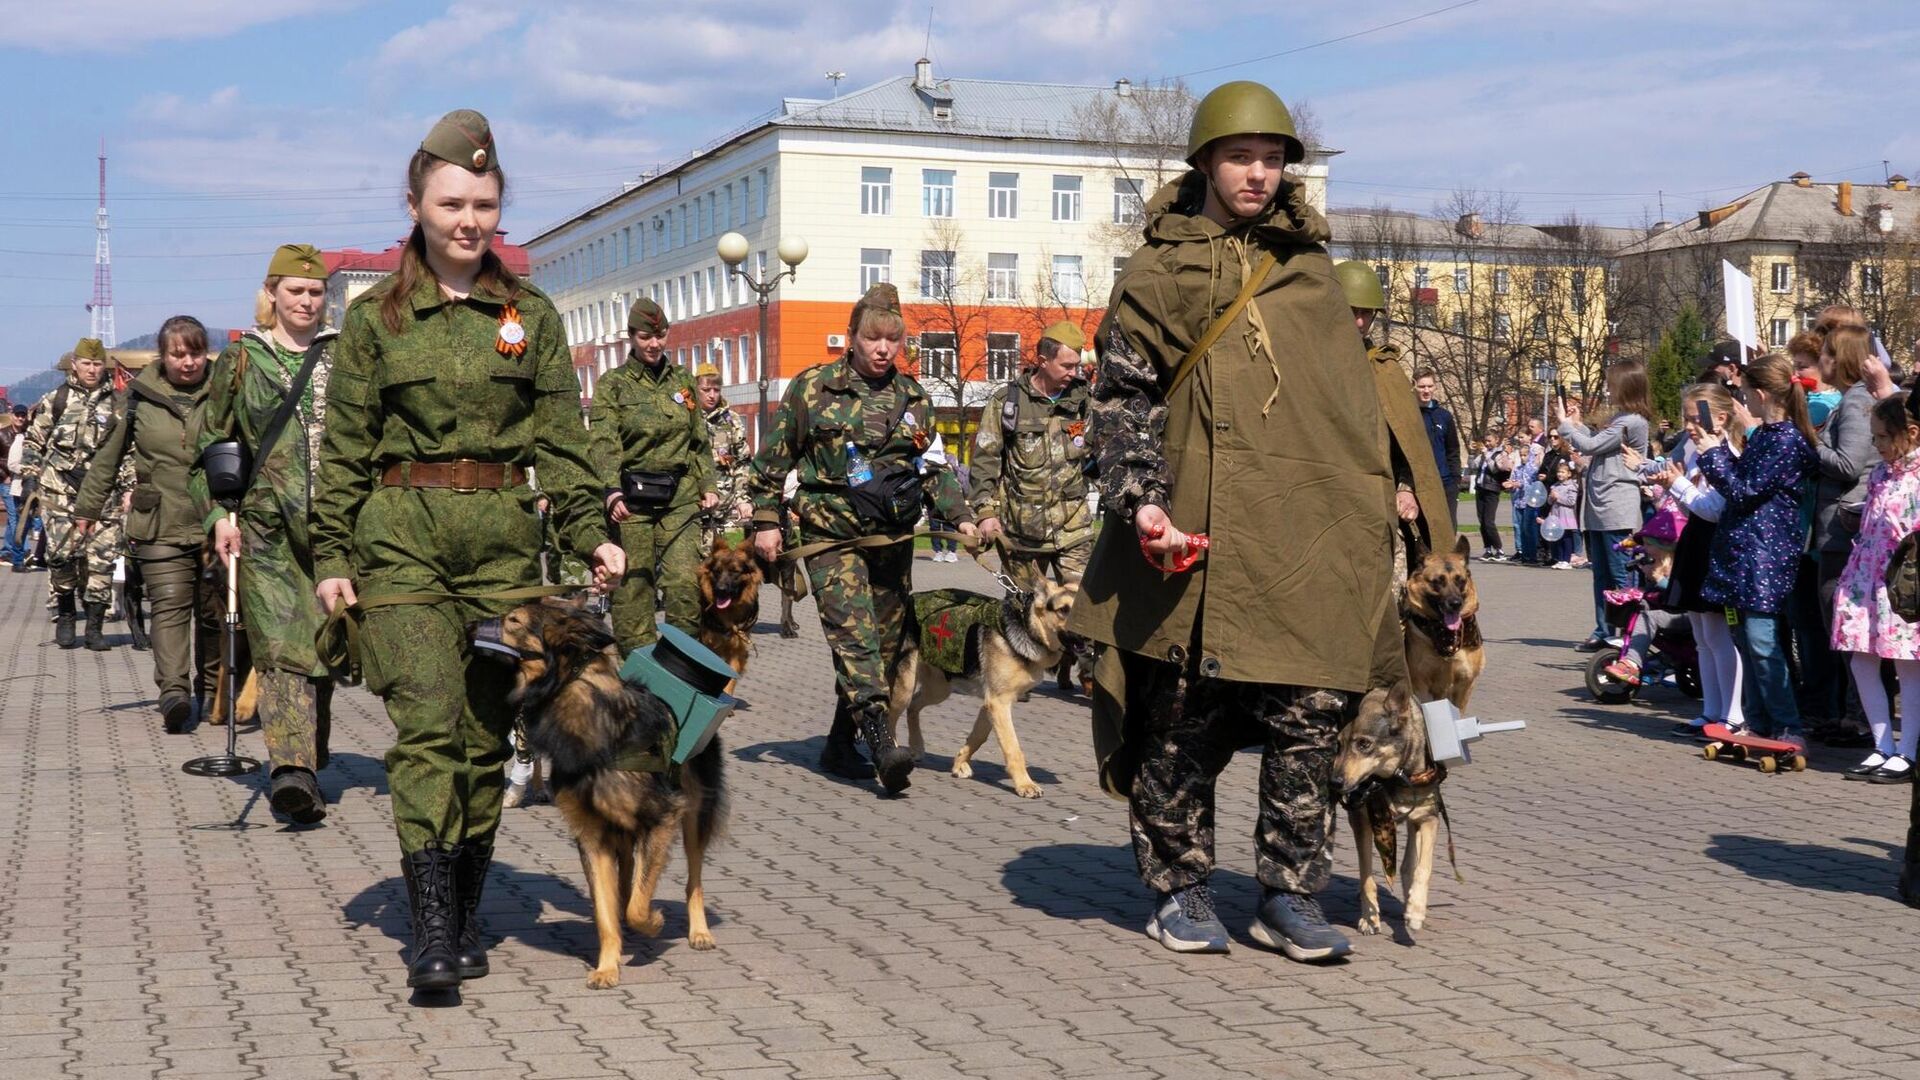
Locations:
{"points": [[229, 763]]}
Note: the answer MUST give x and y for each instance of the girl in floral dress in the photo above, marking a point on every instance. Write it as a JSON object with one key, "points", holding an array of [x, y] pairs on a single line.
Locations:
{"points": [[1863, 621]]}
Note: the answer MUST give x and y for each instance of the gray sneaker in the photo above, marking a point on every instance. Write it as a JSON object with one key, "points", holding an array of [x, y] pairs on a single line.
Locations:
{"points": [[1184, 922], [1294, 924]]}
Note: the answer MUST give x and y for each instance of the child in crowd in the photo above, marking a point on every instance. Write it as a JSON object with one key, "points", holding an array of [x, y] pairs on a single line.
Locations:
{"points": [[1564, 497], [1864, 624], [1522, 461], [1752, 563]]}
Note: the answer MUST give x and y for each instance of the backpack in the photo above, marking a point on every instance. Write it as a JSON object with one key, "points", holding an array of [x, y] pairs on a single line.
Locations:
{"points": [[1903, 579]]}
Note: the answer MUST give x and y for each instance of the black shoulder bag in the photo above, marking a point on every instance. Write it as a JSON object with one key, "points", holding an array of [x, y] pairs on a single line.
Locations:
{"points": [[231, 469]]}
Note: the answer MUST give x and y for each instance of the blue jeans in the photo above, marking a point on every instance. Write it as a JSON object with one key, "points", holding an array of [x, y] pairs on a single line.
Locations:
{"points": [[941, 543], [1526, 530], [1609, 566], [1761, 639], [10, 549]]}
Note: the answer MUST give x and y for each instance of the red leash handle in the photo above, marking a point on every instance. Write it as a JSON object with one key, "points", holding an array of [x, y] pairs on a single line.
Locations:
{"points": [[1197, 544]]}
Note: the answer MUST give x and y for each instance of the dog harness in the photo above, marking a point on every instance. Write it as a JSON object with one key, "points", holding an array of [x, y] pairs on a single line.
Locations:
{"points": [[1447, 642], [951, 624]]}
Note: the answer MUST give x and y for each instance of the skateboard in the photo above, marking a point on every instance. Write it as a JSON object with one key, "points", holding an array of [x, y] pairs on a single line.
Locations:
{"points": [[1771, 755]]}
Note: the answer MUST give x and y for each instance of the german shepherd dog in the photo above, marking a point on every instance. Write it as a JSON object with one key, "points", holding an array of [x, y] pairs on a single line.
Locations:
{"points": [[730, 579], [1383, 766], [581, 717], [1003, 664]]}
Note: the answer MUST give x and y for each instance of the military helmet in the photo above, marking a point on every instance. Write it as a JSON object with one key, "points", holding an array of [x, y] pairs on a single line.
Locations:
{"points": [[1361, 285], [1242, 108]]}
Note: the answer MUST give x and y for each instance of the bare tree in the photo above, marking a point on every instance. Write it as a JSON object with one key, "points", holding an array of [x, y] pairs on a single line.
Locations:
{"points": [[951, 341], [1143, 135]]}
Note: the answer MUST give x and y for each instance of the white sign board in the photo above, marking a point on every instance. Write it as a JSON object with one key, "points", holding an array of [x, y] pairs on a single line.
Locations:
{"points": [[1743, 324]]}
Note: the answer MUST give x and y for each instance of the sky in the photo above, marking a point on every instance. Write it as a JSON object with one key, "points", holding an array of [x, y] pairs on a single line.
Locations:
{"points": [[233, 126]]}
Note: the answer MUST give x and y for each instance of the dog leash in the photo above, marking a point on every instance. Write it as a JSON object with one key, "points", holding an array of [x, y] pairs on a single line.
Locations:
{"points": [[338, 640]]}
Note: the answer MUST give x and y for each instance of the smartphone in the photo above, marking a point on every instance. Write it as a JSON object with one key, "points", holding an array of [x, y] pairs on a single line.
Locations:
{"points": [[1703, 415], [1561, 389]]}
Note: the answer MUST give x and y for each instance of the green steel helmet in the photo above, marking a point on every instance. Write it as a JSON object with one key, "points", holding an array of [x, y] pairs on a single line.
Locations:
{"points": [[1361, 285], [1242, 108]]}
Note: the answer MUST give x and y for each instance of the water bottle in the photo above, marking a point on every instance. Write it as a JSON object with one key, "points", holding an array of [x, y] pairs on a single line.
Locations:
{"points": [[859, 470]]}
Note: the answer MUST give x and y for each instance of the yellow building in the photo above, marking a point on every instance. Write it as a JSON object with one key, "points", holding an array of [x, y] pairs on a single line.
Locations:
{"points": [[1490, 306], [1805, 245]]}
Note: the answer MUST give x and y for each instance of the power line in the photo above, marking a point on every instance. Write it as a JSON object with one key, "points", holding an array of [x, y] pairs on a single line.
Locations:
{"points": [[1328, 41]]}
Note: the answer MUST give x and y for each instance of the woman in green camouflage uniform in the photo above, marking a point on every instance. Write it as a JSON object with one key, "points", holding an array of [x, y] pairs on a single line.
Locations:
{"points": [[858, 401], [452, 379]]}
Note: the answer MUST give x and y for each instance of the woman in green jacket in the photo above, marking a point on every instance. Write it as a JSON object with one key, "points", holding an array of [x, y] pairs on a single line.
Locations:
{"points": [[163, 527], [453, 379], [250, 380]]}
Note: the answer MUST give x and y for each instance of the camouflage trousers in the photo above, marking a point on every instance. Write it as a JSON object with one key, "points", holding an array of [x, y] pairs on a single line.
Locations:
{"points": [[1067, 562], [1189, 731], [663, 559], [296, 719], [866, 612], [81, 564]]}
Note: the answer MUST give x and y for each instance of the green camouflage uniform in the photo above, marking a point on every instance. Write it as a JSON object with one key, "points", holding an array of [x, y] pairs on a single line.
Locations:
{"points": [[245, 387], [1028, 459], [647, 418], [863, 593], [440, 391], [58, 453], [163, 529], [732, 454]]}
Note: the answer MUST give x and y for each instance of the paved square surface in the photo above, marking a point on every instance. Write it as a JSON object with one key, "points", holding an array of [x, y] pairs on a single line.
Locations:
{"points": [[1628, 909]]}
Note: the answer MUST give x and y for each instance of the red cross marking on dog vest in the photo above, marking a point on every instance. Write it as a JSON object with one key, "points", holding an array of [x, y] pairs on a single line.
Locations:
{"points": [[940, 630]]}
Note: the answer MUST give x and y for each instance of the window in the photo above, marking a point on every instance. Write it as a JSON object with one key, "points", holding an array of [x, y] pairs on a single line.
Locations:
{"points": [[1579, 291], [1542, 283], [876, 190], [1069, 281], [749, 363], [1003, 276], [1782, 277], [936, 274], [1129, 206], [713, 213], [876, 266], [1913, 281], [939, 357], [1119, 264], [726, 218], [1779, 331], [1461, 281], [1502, 326], [936, 192], [1003, 356], [1870, 279], [1424, 316], [1459, 322], [765, 183], [1540, 325], [713, 287], [1502, 282], [1380, 272], [1422, 277], [1003, 195], [1066, 198]]}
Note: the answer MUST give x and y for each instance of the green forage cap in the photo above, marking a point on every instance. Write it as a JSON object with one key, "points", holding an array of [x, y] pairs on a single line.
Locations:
{"points": [[464, 138], [90, 349], [297, 260], [881, 297], [646, 317], [1066, 333]]}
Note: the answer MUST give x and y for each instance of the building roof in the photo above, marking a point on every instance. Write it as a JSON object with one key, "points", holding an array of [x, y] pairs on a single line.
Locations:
{"points": [[1787, 212], [1376, 225], [386, 262]]}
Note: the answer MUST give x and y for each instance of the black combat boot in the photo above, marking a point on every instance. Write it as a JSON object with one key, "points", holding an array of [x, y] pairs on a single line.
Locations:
{"points": [[893, 763], [63, 622], [429, 874], [470, 861], [96, 630], [842, 756]]}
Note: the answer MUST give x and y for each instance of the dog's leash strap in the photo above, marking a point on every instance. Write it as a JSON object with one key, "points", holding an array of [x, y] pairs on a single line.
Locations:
{"points": [[338, 641], [972, 543]]}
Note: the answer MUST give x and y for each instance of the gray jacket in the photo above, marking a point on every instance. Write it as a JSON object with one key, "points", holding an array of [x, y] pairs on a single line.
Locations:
{"points": [[1612, 491], [1847, 457]]}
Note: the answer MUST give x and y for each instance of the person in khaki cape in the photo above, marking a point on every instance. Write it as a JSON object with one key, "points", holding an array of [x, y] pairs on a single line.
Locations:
{"points": [[1272, 444], [164, 534], [646, 414], [273, 540], [451, 378]]}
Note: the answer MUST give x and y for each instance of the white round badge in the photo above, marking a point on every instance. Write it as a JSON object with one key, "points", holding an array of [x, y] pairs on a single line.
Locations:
{"points": [[513, 333], [679, 398]]}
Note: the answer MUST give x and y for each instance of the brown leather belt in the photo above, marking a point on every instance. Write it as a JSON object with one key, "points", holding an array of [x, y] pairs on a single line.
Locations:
{"points": [[459, 475]]}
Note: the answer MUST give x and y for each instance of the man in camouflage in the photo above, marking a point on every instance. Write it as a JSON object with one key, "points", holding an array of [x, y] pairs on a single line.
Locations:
{"points": [[732, 453], [646, 422], [61, 444], [857, 404]]}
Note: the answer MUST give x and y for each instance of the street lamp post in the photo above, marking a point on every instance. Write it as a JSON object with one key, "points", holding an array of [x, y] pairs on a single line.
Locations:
{"points": [[1543, 374], [733, 249]]}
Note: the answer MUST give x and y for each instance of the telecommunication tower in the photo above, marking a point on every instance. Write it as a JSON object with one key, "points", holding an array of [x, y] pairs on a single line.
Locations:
{"points": [[102, 306]]}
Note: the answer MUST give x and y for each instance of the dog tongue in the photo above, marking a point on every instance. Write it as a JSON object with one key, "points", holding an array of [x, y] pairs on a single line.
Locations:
{"points": [[723, 602], [1453, 622]]}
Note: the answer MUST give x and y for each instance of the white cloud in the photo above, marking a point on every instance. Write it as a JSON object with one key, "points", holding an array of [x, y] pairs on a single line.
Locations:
{"points": [[124, 25]]}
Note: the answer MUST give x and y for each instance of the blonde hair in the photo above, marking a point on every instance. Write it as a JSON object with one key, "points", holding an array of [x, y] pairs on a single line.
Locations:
{"points": [[885, 323], [263, 313], [1720, 402]]}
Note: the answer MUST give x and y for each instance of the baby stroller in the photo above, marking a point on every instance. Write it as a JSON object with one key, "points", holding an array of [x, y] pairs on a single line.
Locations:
{"points": [[1663, 639]]}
